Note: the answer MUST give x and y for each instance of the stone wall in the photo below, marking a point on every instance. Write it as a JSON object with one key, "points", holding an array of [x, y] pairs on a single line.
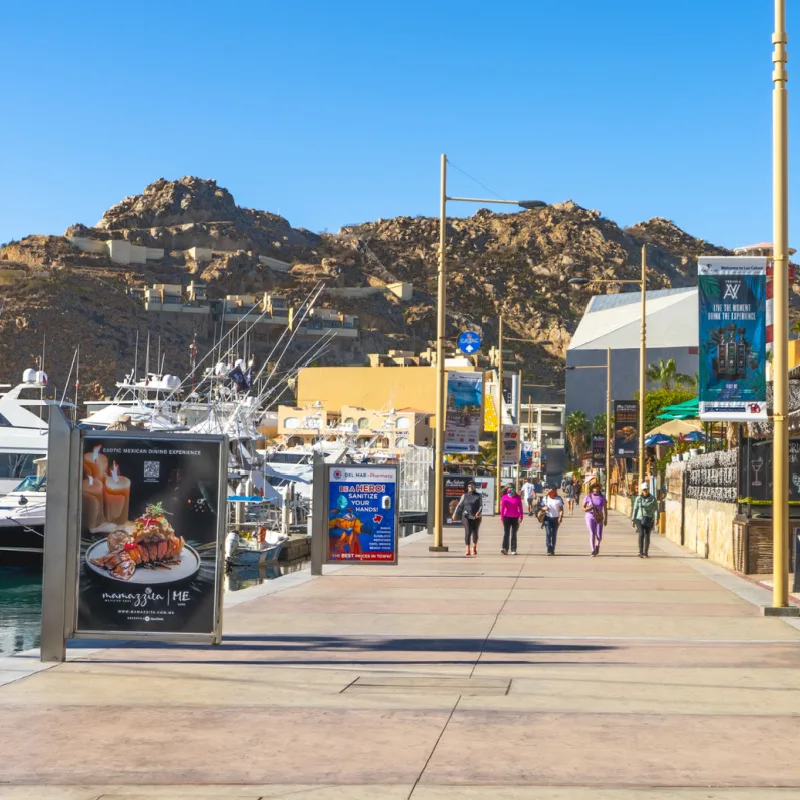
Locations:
{"points": [[695, 516]]}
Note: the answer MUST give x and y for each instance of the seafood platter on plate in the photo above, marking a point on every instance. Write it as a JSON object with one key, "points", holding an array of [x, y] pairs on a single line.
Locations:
{"points": [[145, 551]]}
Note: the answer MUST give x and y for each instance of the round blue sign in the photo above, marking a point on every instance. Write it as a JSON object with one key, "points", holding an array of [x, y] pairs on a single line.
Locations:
{"points": [[469, 342]]}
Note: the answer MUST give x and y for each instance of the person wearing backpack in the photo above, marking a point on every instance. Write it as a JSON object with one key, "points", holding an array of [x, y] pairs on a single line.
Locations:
{"points": [[643, 517]]}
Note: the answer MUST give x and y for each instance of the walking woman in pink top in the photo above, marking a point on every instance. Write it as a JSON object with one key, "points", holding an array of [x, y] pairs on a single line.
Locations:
{"points": [[596, 510], [511, 514]]}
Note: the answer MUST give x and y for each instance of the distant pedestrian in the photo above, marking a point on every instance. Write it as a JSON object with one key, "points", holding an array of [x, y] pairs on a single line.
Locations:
{"points": [[511, 516], [577, 488], [564, 483], [596, 510], [570, 497], [528, 493], [643, 516], [554, 514], [469, 508]]}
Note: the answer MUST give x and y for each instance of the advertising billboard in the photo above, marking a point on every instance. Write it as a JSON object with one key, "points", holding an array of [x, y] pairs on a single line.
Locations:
{"points": [[152, 518], [456, 485], [732, 294], [511, 444], [599, 449], [626, 428], [362, 514], [464, 409]]}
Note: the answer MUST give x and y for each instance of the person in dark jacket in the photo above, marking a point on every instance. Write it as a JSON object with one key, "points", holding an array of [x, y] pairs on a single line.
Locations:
{"points": [[643, 516], [470, 507]]}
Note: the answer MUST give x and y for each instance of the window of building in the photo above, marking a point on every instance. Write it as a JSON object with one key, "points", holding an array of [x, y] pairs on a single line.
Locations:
{"points": [[350, 421], [291, 422], [362, 423]]}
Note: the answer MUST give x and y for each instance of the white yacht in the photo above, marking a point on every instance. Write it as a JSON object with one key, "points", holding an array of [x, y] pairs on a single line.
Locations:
{"points": [[24, 419]]}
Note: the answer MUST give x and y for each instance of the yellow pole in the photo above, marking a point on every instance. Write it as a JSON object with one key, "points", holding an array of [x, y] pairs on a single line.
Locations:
{"points": [[643, 366], [780, 305], [441, 389], [608, 423], [497, 490], [519, 422]]}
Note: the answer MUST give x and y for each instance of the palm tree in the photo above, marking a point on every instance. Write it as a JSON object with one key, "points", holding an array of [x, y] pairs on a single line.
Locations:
{"points": [[578, 428], [666, 373]]}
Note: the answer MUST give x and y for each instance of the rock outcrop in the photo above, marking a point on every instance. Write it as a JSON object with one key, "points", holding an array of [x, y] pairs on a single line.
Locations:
{"points": [[516, 264]]}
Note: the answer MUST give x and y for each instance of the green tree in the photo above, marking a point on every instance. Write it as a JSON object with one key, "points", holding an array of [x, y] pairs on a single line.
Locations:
{"points": [[599, 423], [666, 373], [657, 399], [578, 428]]}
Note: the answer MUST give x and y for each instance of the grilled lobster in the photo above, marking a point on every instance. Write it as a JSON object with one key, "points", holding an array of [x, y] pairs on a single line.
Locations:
{"points": [[122, 563]]}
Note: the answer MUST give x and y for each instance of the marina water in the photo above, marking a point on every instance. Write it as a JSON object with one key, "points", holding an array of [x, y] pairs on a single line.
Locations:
{"points": [[20, 609]]}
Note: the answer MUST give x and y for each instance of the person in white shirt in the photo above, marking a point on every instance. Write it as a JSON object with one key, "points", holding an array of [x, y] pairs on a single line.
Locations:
{"points": [[528, 493], [554, 514]]}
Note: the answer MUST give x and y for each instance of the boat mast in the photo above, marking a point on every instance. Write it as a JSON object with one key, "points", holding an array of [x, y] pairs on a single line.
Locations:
{"points": [[77, 384]]}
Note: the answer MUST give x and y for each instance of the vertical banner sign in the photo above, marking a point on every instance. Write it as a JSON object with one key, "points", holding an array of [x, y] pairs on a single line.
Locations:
{"points": [[732, 327], [362, 514], [599, 449], [464, 408], [510, 445], [526, 456], [150, 530], [626, 428]]}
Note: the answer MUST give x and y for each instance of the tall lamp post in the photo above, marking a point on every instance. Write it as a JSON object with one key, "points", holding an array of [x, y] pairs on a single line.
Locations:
{"points": [[441, 332], [607, 368], [780, 303], [642, 282]]}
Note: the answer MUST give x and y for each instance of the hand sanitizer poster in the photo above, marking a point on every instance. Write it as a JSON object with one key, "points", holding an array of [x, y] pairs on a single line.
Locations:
{"points": [[362, 513]]}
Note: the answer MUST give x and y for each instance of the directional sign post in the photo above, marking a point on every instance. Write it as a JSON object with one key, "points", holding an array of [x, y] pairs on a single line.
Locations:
{"points": [[469, 342]]}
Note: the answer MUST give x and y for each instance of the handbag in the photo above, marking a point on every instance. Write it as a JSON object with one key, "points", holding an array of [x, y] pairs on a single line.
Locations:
{"points": [[597, 514]]}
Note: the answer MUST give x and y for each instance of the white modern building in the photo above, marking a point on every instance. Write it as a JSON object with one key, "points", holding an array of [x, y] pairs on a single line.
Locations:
{"points": [[614, 321]]}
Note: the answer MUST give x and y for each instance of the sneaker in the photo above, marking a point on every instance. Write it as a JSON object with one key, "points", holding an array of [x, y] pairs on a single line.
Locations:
{"points": [[504, 552], [646, 556], [513, 552], [641, 555]]}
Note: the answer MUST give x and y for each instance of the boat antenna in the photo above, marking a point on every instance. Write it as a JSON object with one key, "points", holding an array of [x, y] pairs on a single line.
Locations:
{"points": [[158, 357], [147, 361], [135, 358], [77, 384]]}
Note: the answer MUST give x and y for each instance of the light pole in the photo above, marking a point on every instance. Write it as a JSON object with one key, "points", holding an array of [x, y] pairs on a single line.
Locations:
{"points": [[780, 305], [441, 332], [607, 368], [642, 283]]}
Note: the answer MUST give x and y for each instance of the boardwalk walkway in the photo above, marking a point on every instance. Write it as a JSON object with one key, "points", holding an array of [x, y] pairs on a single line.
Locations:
{"points": [[496, 677]]}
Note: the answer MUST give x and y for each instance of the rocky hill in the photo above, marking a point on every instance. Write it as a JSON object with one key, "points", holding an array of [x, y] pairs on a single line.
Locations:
{"points": [[517, 264]]}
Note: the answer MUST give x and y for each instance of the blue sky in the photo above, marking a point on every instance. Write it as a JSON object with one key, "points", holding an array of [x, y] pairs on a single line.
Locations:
{"points": [[336, 112]]}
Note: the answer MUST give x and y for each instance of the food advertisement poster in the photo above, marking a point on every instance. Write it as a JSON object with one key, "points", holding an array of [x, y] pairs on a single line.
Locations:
{"points": [[362, 514], [149, 528], [732, 295], [464, 409], [456, 485], [626, 428], [599, 449]]}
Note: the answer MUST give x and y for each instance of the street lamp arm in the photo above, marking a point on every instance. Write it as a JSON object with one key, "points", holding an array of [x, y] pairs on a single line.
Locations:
{"points": [[527, 204], [586, 281]]}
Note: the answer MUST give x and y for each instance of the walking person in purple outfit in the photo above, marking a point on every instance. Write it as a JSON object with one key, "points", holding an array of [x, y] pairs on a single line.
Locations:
{"points": [[596, 510]]}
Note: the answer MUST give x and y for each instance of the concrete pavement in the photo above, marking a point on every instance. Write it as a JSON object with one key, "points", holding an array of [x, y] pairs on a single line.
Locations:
{"points": [[490, 677]]}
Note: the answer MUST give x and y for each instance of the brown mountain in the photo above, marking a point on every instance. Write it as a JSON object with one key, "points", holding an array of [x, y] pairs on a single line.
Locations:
{"points": [[515, 263]]}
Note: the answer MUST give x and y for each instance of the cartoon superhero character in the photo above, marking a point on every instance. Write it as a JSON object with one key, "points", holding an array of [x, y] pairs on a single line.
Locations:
{"points": [[343, 530]]}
